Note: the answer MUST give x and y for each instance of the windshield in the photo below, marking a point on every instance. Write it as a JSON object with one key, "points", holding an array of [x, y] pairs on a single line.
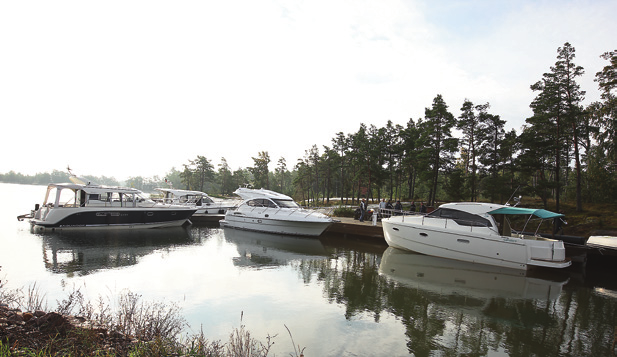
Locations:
{"points": [[286, 203]]}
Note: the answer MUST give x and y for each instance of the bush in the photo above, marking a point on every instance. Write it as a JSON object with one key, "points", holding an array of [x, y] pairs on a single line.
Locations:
{"points": [[344, 212]]}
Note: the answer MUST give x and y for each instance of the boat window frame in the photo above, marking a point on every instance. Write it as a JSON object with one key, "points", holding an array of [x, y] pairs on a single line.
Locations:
{"points": [[283, 203], [261, 203], [461, 218]]}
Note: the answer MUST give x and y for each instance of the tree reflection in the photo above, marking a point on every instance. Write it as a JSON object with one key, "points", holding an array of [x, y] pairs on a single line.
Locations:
{"points": [[565, 319]]}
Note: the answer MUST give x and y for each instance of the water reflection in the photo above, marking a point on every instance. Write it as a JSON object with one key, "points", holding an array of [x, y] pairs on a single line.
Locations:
{"points": [[452, 277], [450, 308], [259, 250], [84, 252]]}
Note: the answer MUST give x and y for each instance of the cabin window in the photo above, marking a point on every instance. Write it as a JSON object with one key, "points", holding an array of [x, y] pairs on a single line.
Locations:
{"points": [[259, 202], [94, 197], [66, 197], [255, 203], [127, 197], [286, 203], [461, 218]]}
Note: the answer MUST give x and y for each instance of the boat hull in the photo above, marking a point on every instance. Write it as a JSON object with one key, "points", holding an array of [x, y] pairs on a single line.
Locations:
{"points": [[471, 244], [277, 226], [120, 218]]}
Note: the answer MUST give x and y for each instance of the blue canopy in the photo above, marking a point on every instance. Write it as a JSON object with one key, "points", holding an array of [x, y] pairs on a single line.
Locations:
{"points": [[544, 214]]}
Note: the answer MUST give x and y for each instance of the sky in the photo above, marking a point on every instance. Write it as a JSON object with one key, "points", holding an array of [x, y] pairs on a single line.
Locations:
{"points": [[135, 88]]}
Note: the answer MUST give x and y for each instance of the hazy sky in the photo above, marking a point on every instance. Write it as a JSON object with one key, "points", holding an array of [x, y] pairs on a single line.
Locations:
{"points": [[134, 88]]}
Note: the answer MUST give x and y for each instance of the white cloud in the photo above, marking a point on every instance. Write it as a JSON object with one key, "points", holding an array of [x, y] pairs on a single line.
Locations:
{"points": [[133, 88]]}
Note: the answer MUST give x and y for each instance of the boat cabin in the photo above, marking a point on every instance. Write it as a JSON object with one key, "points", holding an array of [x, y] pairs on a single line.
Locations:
{"points": [[77, 195], [185, 197]]}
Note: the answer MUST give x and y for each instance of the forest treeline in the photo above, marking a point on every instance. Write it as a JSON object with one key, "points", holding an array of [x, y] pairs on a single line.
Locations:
{"points": [[564, 152]]}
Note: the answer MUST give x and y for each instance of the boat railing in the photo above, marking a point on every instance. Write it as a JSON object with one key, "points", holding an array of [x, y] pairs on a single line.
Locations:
{"points": [[389, 212], [304, 210]]}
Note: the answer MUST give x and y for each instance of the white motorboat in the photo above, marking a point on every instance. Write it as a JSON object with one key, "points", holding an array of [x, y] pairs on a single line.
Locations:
{"points": [[478, 233], [208, 209], [80, 205], [268, 211]]}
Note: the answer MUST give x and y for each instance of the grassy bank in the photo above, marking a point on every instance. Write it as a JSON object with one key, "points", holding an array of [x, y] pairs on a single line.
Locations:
{"points": [[77, 327]]}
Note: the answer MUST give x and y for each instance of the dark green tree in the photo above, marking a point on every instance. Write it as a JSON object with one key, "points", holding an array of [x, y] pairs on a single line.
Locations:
{"points": [[492, 138], [260, 171], [437, 144], [225, 177]]}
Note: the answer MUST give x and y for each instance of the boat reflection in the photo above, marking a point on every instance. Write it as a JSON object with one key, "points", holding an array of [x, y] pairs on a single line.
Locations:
{"points": [[259, 250], [82, 253], [452, 277]]}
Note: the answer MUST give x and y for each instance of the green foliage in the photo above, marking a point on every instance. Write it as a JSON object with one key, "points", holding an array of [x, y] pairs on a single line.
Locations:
{"points": [[344, 212], [260, 171]]}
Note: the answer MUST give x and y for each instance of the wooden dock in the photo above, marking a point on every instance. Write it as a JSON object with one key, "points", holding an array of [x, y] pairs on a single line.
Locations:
{"points": [[349, 227]]}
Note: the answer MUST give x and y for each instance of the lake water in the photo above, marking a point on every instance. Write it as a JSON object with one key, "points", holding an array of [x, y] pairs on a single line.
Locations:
{"points": [[337, 297]]}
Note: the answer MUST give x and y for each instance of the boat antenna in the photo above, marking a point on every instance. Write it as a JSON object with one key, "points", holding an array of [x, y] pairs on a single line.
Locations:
{"points": [[519, 198]]}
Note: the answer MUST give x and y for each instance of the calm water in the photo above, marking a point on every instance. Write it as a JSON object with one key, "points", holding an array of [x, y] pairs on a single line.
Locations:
{"points": [[337, 297]]}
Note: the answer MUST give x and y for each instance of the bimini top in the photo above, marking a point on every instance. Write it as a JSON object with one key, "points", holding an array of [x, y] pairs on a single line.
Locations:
{"points": [[542, 213], [89, 188], [249, 193], [482, 208]]}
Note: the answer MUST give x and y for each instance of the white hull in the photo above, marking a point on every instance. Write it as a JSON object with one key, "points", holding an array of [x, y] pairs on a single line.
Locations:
{"points": [[276, 225], [445, 238]]}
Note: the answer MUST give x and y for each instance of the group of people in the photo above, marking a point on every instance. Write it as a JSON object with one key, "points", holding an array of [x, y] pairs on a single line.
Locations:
{"points": [[387, 209]]}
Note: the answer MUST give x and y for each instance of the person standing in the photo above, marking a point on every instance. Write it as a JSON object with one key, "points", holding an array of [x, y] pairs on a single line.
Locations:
{"points": [[382, 206], [398, 207], [412, 208], [362, 210], [422, 208]]}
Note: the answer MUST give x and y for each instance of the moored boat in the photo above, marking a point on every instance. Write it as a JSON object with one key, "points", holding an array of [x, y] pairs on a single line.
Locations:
{"points": [[272, 212], [478, 233], [81, 205], [208, 209]]}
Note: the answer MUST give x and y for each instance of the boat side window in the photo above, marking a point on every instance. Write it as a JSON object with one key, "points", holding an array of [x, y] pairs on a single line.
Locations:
{"points": [[82, 198], [256, 203], [114, 198], [461, 218], [286, 203], [127, 197], [66, 198]]}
